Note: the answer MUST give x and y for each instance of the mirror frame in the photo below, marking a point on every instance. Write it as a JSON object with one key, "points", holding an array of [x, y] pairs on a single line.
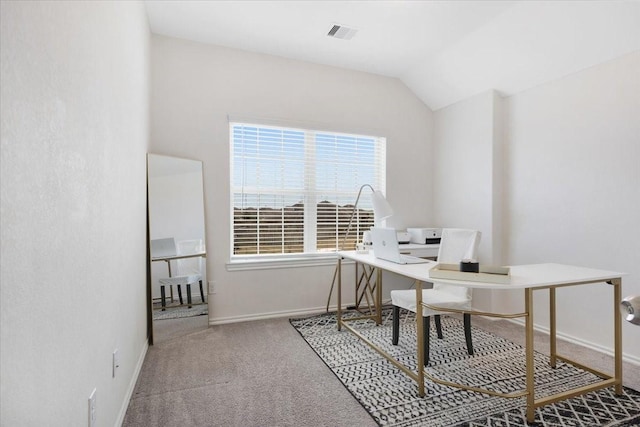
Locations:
{"points": [[149, 284]]}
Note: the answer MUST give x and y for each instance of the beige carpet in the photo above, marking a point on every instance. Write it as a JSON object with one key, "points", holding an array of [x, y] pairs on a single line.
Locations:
{"points": [[264, 374]]}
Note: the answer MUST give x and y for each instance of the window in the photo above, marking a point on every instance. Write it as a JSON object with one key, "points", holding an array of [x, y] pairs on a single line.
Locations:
{"points": [[293, 189]]}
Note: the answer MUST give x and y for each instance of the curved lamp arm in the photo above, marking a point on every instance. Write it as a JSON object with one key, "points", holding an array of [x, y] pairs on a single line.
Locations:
{"points": [[381, 210]]}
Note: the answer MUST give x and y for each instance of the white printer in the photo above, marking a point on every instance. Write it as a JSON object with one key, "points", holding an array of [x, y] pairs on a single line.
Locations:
{"points": [[403, 237], [425, 236]]}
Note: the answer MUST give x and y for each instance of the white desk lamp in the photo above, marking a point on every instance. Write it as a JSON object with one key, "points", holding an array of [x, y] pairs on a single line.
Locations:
{"points": [[381, 211], [630, 307]]}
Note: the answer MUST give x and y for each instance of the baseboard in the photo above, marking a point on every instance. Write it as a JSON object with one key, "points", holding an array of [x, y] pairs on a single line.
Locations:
{"points": [[317, 310], [269, 315], [590, 345], [132, 384]]}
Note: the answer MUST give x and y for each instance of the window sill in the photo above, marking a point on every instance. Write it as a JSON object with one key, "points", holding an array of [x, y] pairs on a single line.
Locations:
{"points": [[281, 262]]}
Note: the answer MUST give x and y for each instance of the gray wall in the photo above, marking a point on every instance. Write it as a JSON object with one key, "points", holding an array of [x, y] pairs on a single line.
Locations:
{"points": [[74, 136]]}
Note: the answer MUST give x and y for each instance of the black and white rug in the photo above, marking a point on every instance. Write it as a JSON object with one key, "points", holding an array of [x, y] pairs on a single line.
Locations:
{"points": [[392, 399], [176, 311]]}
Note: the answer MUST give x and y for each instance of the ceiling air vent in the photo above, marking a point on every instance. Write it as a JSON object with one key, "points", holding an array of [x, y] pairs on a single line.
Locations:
{"points": [[342, 32]]}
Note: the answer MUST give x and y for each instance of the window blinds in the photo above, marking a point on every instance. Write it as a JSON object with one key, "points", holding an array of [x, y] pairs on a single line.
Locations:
{"points": [[293, 189]]}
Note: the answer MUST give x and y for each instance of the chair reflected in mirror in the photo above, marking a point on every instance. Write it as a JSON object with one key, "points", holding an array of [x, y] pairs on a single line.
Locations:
{"points": [[187, 256]]}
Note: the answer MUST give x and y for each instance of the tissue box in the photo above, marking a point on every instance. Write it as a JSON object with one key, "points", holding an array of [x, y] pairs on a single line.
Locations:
{"points": [[487, 274], [425, 236]]}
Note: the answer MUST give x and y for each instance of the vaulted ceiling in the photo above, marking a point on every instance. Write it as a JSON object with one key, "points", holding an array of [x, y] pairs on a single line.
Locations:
{"points": [[444, 51]]}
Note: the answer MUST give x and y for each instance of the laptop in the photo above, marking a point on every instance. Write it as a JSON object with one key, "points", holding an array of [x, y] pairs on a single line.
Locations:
{"points": [[385, 246]]}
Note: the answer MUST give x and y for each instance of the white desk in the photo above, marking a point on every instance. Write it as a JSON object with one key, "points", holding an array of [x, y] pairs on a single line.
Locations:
{"points": [[365, 289], [525, 277], [170, 258]]}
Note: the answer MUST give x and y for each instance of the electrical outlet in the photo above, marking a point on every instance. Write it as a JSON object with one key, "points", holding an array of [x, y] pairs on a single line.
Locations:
{"points": [[92, 408], [116, 362], [212, 287]]}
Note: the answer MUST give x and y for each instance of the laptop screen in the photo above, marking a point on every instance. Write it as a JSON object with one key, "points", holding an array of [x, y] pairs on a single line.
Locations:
{"points": [[385, 243]]}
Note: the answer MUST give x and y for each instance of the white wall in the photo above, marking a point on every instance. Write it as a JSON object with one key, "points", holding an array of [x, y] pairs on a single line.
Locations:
{"points": [[551, 175], [194, 88], [176, 206], [525, 171], [74, 101], [467, 174], [573, 190]]}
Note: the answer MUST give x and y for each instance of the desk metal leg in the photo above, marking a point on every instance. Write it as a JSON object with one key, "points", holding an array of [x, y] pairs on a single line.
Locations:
{"points": [[170, 275], [617, 326], [528, 302], [364, 288], [552, 327], [356, 268], [339, 310], [378, 301], [420, 338], [333, 282]]}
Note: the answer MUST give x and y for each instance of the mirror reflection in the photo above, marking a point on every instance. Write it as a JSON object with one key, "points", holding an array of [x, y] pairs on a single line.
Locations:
{"points": [[177, 245]]}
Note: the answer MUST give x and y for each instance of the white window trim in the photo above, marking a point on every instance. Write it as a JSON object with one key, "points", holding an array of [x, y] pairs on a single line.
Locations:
{"points": [[279, 261]]}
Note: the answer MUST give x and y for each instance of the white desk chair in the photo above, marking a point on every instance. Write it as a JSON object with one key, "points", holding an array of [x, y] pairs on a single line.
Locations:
{"points": [[188, 271], [455, 245], [164, 249]]}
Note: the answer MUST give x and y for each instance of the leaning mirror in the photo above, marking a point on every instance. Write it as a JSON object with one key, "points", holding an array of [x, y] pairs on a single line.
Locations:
{"points": [[176, 246]]}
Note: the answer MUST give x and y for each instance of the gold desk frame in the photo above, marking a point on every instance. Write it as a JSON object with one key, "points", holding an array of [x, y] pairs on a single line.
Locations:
{"points": [[366, 289]]}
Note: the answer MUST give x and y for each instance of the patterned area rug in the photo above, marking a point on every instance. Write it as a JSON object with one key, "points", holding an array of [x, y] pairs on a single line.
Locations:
{"points": [[392, 399], [176, 311]]}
